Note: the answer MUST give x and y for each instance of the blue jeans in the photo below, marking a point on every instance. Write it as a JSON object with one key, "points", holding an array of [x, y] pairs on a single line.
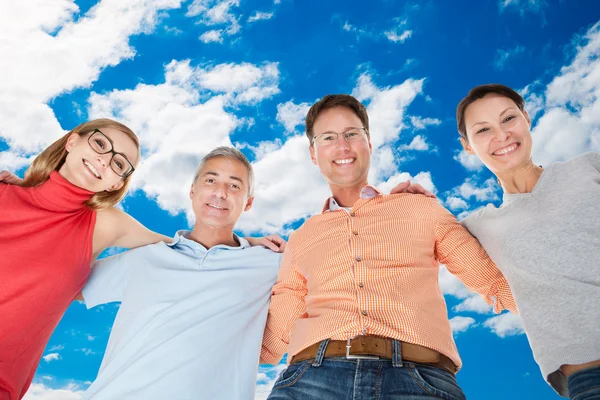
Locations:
{"points": [[585, 384], [338, 378]]}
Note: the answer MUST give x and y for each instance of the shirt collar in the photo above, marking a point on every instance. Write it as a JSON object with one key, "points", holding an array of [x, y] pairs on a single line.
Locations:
{"points": [[181, 238], [367, 192]]}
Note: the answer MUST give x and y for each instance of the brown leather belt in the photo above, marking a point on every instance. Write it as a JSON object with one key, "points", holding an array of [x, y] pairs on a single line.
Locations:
{"points": [[378, 347]]}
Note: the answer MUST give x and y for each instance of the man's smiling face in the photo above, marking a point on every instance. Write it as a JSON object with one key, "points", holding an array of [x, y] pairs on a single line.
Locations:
{"points": [[220, 194], [343, 164]]}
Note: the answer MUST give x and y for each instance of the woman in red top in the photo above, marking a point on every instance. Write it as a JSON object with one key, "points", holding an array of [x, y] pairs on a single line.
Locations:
{"points": [[52, 226]]}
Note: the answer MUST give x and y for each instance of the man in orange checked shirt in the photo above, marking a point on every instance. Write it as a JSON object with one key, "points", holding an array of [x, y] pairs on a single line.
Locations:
{"points": [[357, 305]]}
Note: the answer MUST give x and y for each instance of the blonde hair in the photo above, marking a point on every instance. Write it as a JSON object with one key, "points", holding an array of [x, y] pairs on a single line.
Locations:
{"points": [[53, 157]]}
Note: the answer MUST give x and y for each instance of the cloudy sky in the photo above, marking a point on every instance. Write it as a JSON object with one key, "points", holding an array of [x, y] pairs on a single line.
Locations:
{"points": [[191, 75]]}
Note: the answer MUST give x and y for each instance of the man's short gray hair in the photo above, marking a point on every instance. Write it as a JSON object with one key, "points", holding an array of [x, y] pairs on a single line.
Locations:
{"points": [[229, 152]]}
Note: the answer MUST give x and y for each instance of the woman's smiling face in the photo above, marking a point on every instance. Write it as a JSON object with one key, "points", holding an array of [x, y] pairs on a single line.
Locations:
{"points": [[498, 132]]}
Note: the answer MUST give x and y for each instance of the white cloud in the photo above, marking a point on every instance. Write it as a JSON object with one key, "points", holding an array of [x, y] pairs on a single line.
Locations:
{"points": [[51, 357], [474, 303], [395, 37], [215, 13], [281, 197], [507, 324], [396, 34], [184, 118], [450, 285], [386, 106], [469, 161], [535, 6], [39, 391], [422, 178], [534, 102], [570, 124], [260, 16], [461, 324], [262, 149], [39, 65], [213, 36], [290, 115], [485, 193], [504, 56], [265, 380], [86, 351], [456, 203], [13, 161], [421, 123], [418, 143]]}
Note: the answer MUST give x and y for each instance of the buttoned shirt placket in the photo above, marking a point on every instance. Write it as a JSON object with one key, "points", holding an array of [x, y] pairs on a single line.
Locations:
{"points": [[357, 259]]}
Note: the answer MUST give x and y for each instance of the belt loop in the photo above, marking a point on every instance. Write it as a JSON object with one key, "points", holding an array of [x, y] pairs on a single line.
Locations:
{"points": [[397, 354], [320, 353]]}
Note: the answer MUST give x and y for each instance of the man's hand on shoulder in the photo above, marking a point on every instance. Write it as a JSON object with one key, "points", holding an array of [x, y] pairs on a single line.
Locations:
{"points": [[273, 242], [415, 188], [9, 178]]}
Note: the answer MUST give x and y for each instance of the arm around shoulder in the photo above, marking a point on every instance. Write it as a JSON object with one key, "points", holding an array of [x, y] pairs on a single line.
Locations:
{"points": [[464, 257], [117, 228]]}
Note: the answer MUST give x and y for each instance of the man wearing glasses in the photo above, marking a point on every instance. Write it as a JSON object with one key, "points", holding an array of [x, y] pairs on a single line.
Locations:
{"points": [[357, 305]]}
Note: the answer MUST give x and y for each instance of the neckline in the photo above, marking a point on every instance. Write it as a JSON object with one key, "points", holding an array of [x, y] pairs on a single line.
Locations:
{"points": [[508, 198], [62, 195]]}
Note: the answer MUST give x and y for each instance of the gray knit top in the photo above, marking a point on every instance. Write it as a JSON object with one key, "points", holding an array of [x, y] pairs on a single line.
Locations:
{"points": [[547, 245]]}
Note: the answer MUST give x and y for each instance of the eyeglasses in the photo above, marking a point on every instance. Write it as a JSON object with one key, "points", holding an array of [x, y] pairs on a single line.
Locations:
{"points": [[350, 135], [101, 144]]}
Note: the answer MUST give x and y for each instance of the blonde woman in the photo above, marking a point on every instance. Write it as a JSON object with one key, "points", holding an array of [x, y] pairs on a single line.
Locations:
{"points": [[52, 225]]}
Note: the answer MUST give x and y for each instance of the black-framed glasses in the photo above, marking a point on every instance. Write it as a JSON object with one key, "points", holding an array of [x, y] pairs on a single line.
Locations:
{"points": [[102, 144], [350, 135]]}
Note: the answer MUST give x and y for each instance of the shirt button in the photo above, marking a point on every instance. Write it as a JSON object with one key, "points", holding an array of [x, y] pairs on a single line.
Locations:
{"points": [[361, 285], [355, 232], [352, 214], [359, 259], [363, 312]]}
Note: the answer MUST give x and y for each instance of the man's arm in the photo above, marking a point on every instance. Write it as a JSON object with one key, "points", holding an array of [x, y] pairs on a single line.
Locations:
{"points": [[464, 257], [287, 305]]}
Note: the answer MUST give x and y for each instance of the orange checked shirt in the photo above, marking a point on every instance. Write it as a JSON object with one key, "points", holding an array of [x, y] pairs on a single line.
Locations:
{"points": [[373, 270]]}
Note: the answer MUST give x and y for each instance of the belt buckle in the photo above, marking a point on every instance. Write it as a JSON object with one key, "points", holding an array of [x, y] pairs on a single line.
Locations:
{"points": [[357, 356]]}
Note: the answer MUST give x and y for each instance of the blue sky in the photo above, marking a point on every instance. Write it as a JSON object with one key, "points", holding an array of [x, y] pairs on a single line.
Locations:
{"points": [[188, 76]]}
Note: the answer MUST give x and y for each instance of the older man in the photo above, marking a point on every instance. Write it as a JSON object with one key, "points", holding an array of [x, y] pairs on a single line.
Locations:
{"points": [[193, 311], [357, 305]]}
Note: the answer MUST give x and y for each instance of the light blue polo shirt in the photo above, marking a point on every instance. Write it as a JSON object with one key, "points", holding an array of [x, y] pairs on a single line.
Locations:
{"points": [[191, 320]]}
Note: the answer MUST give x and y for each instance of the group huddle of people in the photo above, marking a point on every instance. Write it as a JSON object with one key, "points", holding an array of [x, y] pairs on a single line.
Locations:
{"points": [[352, 298]]}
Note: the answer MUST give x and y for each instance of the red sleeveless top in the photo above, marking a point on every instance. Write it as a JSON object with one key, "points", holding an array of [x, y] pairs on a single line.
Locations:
{"points": [[45, 252]]}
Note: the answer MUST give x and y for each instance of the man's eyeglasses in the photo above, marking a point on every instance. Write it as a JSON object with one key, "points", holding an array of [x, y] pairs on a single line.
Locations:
{"points": [[101, 144], [350, 135]]}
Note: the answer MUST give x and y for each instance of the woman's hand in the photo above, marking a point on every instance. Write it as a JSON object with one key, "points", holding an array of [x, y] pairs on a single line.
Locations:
{"points": [[406, 187], [273, 242]]}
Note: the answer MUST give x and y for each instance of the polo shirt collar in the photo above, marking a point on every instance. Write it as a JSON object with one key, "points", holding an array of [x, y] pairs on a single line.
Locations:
{"points": [[367, 192], [181, 238]]}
